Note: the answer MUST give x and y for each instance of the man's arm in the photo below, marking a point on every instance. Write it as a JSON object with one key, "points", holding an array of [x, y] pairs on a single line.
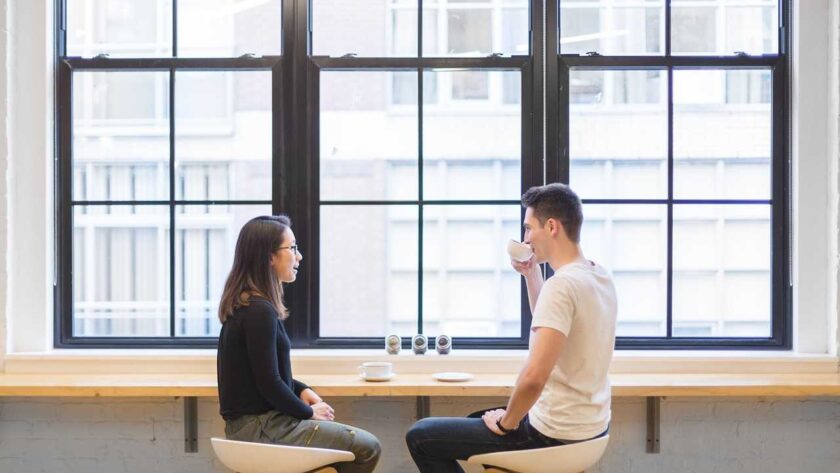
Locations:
{"points": [[534, 283], [532, 273], [546, 348]]}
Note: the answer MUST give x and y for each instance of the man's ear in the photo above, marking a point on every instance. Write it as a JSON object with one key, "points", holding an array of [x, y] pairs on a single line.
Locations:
{"points": [[553, 226]]}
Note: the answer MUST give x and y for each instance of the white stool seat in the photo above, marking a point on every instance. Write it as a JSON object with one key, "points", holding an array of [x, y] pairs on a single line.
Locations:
{"points": [[572, 458], [251, 457]]}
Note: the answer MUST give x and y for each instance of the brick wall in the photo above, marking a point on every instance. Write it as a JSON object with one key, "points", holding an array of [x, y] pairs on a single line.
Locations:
{"points": [[146, 435]]}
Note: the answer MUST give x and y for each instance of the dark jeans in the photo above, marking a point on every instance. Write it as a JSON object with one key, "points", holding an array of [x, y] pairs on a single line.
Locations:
{"points": [[435, 443]]}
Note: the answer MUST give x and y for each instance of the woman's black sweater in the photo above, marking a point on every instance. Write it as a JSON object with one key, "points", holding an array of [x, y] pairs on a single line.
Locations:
{"points": [[253, 365]]}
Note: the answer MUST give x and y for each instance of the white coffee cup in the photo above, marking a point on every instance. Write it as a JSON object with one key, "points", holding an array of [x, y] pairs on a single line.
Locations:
{"points": [[519, 251], [376, 369]]}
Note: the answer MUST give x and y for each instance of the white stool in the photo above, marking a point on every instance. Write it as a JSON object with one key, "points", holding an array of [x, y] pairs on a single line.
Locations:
{"points": [[572, 458], [251, 457]]}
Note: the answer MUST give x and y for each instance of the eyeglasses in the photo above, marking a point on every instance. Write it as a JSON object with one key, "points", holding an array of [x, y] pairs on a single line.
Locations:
{"points": [[295, 248]]}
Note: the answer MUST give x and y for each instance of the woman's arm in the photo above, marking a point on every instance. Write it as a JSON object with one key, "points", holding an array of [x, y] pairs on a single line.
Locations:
{"points": [[260, 326]]}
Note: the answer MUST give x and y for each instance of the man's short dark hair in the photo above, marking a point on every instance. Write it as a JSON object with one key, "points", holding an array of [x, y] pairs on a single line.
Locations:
{"points": [[559, 202]]}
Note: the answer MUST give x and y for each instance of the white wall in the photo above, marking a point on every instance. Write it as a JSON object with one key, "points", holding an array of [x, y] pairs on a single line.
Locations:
{"points": [[834, 170], [28, 200], [4, 162], [146, 435]]}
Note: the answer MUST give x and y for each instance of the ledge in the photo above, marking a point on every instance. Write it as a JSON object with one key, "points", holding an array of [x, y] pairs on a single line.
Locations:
{"points": [[484, 384], [320, 361]]}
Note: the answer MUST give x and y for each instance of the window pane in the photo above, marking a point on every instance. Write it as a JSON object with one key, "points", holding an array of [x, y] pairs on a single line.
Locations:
{"points": [[618, 128], [693, 29], [119, 28], [364, 27], [226, 28], [468, 142], [469, 32], [709, 27], [469, 287], [516, 31], [205, 241], [368, 146], [120, 135], [476, 28], [630, 241], [368, 263], [722, 270], [121, 271], [404, 31], [722, 134], [223, 135], [612, 29]]}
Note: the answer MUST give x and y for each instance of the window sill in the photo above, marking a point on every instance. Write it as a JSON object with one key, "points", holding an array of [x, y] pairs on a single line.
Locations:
{"points": [[320, 361]]}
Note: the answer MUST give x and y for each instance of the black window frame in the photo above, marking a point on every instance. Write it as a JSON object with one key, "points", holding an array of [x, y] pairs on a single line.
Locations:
{"points": [[558, 166], [295, 182]]}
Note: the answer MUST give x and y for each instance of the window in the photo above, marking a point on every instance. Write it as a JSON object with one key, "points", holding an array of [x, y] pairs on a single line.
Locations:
{"points": [[420, 141], [399, 136], [166, 139], [673, 117]]}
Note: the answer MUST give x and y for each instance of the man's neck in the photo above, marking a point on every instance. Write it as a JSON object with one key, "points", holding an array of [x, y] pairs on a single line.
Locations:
{"points": [[564, 256]]}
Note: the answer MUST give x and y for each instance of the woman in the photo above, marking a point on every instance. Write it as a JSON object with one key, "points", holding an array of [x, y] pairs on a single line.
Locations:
{"points": [[260, 401]]}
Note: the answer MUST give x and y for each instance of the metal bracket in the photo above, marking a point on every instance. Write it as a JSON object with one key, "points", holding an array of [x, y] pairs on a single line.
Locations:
{"points": [[653, 418], [423, 407], [190, 424]]}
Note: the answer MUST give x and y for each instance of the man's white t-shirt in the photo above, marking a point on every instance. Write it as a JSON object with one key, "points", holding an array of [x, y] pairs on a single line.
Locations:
{"points": [[579, 301]]}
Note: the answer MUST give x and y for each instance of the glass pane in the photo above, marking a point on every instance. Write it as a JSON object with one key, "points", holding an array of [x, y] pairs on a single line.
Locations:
{"points": [[121, 271], [618, 128], [612, 28], [516, 38], [368, 142], [364, 27], [469, 140], [223, 135], [229, 28], [205, 241], [722, 270], [630, 241], [725, 27], [404, 28], [369, 257], [469, 287], [119, 28], [722, 134], [120, 135], [693, 29], [476, 28]]}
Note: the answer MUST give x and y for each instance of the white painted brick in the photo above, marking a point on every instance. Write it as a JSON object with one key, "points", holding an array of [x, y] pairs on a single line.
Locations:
{"points": [[146, 435], [11, 429]]}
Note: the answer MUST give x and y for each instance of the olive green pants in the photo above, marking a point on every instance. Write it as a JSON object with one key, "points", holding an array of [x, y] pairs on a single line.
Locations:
{"points": [[281, 429]]}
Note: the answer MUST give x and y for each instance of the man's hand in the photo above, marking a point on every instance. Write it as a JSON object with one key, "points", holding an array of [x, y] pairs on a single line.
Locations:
{"points": [[490, 418], [527, 268], [309, 397]]}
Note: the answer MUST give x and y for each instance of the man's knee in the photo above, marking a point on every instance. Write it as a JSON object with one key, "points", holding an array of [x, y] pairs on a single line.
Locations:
{"points": [[417, 432]]}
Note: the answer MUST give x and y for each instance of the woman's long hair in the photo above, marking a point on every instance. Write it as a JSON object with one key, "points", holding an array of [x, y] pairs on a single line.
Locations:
{"points": [[251, 274]]}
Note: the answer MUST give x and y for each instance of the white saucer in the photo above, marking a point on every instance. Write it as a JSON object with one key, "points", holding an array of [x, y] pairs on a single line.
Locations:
{"points": [[452, 377], [378, 378]]}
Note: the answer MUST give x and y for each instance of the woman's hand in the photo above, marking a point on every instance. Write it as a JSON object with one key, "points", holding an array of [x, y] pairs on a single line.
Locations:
{"points": [[309, 397], [322, 411]]}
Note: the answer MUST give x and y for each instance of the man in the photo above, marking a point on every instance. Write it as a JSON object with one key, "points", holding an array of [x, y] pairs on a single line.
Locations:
{"points": [[562, 395]]}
